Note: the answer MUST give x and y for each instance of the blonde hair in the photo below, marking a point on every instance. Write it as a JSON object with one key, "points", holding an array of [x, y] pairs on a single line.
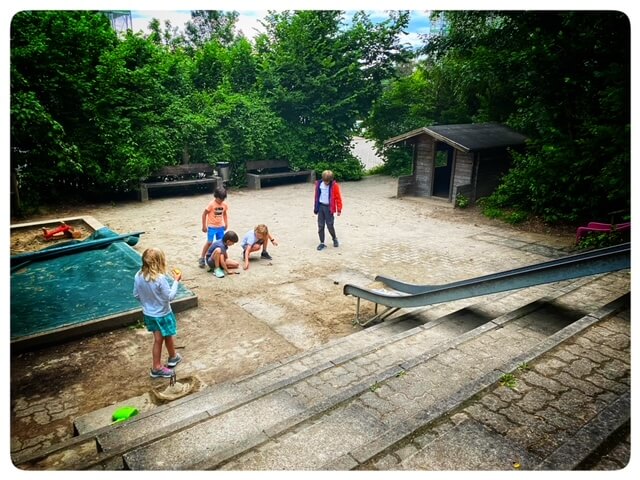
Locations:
{"points": [[327, 176], [262, 229], [154, 263]]}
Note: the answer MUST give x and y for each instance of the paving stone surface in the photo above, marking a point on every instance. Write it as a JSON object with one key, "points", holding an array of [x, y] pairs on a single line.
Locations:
{"points": [[552, 399]]}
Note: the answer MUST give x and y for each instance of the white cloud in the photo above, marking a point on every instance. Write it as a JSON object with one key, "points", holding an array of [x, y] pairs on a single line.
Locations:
{"points": [[141, 18], [248, 21]]}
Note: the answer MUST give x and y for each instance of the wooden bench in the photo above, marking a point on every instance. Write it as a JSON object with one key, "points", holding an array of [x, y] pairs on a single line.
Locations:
{"points": [[258, 170], [188, 175]]}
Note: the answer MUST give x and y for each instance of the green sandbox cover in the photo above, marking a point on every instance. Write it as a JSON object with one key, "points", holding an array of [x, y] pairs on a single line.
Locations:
{"points": [[76, 288]]}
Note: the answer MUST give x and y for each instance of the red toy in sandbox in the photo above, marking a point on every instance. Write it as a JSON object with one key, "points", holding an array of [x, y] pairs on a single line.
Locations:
{"points": [[63, 231]]}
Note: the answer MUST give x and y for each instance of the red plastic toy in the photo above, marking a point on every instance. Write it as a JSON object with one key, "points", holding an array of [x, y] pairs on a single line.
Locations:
{"points": [[63, 231]]}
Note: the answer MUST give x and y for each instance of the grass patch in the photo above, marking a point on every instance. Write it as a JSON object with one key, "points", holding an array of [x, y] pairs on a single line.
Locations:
{"points": [[508, 380]]}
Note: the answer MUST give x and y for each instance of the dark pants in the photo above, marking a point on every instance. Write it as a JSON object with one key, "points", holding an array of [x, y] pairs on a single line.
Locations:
{"points": [[325, 217]]}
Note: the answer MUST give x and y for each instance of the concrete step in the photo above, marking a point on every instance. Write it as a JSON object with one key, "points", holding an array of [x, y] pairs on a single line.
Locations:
{"points": [[564, 411], [362, 427], [321, 388], [252, 409], [311, 361], [483, 449], [317, 430], [324, 362], [487, 449]]}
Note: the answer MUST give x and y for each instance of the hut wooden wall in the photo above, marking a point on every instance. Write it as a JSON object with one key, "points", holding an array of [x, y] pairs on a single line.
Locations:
{"points": [[406, 183], [425, 155], [463, 172]]}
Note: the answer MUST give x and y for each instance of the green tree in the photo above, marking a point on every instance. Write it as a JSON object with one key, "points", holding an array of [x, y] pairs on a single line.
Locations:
{"points": [[137, 84], [166, 34], [241, 66], [54, 56], [209, 66], [207, 25], [92, 112], [321, 75], [561, 78]]}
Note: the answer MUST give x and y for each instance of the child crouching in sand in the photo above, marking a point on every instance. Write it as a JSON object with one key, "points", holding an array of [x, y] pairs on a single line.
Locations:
{"points": [[217, 257], [254, 240]]}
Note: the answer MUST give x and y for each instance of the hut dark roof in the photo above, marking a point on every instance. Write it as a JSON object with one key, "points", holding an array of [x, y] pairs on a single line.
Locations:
{"points": [[468, 137]]}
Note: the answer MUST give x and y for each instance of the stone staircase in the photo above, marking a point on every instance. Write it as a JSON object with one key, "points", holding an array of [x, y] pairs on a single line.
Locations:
{"points": [[377, 399]]}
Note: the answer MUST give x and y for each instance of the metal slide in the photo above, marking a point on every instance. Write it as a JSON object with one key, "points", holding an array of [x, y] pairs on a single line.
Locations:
{"points": [[406, 295]]}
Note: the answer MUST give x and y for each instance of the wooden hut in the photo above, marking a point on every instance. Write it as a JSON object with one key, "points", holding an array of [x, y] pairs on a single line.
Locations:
{"points": [[465, 159]]}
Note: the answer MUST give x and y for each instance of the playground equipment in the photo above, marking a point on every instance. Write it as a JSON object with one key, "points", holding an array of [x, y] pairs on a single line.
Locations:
{"points": [[597, 227], [77, 288], [63, 231], [405, 295]]}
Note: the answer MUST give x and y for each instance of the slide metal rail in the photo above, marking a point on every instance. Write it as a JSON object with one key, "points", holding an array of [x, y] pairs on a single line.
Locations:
{"points": [[406, 295]]}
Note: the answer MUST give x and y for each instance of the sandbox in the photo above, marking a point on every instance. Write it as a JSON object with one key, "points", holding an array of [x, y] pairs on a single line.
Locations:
{"points": [[76, 287]]}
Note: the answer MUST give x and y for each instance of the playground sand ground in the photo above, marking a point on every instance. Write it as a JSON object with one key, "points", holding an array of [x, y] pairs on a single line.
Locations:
{"points": [[273, 310]]}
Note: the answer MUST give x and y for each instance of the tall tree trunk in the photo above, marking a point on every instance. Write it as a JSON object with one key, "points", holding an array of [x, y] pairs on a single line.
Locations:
{"points": [[15, 199]]}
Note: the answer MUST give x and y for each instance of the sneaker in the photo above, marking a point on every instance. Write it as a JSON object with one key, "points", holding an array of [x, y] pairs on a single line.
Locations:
{"points": [[335, 242], [322, 246], [266, 255], [201, 263], [173, 361], [163, 372], [218, 272]]}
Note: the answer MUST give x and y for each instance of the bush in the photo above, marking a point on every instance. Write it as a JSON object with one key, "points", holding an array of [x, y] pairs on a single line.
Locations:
{"points": [[602, 239], [515, 217], [492, 208], [349, 169], [462, 201], [377, 170]]}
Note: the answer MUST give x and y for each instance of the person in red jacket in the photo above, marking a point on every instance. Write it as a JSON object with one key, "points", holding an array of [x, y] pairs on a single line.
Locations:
{"points": [[328, 201]]}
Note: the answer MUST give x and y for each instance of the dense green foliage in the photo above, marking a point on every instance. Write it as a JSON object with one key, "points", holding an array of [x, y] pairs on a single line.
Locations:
{"points": [[321, 78], [53, 86], [93, 112], [561, 78]]}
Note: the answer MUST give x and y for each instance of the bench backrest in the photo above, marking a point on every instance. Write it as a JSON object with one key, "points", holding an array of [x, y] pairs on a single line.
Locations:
{"points": [[262, 164], [186, 169]]}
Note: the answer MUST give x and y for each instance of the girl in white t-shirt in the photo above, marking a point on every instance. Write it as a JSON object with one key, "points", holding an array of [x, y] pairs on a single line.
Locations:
{"points": [[151, 288]]}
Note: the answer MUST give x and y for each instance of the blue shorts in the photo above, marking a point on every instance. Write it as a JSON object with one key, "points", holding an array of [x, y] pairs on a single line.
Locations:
{"points": [[215, 233], [166, 325]]}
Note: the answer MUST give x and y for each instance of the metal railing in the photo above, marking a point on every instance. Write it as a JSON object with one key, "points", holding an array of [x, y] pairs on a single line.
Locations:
{"points": [[406, 295]]}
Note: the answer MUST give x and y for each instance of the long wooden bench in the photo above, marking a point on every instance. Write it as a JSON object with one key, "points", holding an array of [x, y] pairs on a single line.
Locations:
{"points": [[188, 175], [258, 170]]}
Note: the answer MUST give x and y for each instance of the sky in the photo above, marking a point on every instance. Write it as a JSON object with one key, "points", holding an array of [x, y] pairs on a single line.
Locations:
{"points": [[249, 20]]}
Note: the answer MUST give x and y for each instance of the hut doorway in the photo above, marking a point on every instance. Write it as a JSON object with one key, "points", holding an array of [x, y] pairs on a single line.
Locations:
{"points": [[443, 166]]}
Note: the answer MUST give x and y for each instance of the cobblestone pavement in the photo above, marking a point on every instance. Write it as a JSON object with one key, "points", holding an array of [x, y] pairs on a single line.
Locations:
{"points": [[539, 406], [429, 243]]}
